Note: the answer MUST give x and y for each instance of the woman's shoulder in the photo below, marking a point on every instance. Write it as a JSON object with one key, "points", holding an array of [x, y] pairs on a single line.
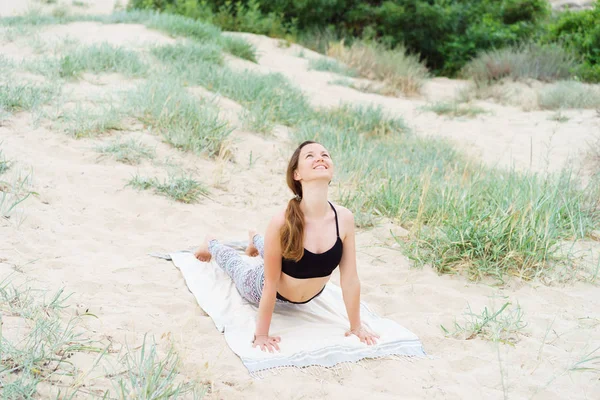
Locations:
{"points": [[278, 218], [344, 214]]}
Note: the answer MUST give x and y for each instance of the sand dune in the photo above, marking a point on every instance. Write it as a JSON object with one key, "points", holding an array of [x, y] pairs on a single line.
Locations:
{"points": [[87, 232]]}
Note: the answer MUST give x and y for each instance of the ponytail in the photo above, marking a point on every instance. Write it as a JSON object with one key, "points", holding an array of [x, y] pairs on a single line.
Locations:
{"points": [[292, 232]]}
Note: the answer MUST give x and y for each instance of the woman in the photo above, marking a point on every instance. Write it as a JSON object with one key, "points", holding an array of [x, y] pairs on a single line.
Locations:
{"points": [[302, 246]]}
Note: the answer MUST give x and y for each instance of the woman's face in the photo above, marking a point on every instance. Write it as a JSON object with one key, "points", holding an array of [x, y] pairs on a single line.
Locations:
{"points": [[314, 163]]}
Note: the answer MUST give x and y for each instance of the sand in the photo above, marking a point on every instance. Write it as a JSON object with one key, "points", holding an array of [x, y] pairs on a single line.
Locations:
{"points": [[89, 233]]}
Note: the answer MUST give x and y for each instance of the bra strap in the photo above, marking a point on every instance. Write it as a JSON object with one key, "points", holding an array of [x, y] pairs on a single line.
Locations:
{"points": [[337, 228]]}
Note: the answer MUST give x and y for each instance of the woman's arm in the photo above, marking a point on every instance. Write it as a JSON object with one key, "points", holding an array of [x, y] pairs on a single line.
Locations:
{"points": [[350, 283], [272, 260], [348, 274]]}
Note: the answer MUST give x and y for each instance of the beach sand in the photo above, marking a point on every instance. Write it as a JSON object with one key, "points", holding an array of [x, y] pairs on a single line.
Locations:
{"points": [[89, 233]]}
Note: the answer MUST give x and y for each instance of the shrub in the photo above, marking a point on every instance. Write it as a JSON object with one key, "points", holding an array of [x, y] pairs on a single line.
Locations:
{"points": [[399, 70], [580, 31], [569, 95], [545, 63], [445, 33]]}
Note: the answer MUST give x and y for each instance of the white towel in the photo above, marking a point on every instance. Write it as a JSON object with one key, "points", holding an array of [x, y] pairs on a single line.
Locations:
{"points": [[311, 334]]}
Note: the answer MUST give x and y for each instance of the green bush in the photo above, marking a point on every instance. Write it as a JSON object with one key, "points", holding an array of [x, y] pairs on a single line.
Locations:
{"points": [[580, 31]]}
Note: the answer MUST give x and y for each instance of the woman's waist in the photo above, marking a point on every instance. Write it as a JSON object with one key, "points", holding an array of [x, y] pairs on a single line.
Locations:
{"points": [[297, 290]]}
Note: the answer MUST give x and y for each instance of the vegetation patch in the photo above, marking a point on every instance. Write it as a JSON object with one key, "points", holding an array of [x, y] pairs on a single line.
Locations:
{"points": [[179, 188]]}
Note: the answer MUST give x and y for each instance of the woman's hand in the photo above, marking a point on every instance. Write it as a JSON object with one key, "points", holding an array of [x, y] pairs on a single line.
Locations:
{"points": [[364, 335], [266, 342]]}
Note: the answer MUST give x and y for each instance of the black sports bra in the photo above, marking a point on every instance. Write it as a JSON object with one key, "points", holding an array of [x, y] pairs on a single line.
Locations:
{"points": [[313, 265]]}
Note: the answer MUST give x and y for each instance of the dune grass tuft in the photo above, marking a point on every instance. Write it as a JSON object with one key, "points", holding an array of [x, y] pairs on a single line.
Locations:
{"points": [[128, 151], [96, 58], [396, 68], [239, 47], [44, 348], [569, 94], [4, 163], [184, 121], [502, 325], [15, 97], [325, 64], [45, 358], [454, 109], [179, 188], [527, 61], [87, 121], [269, 98], [15, 187], [149, 376], [189, 53]]}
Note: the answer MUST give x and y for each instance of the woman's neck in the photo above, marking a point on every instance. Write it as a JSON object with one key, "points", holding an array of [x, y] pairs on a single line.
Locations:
{"points": [[314, 202]]}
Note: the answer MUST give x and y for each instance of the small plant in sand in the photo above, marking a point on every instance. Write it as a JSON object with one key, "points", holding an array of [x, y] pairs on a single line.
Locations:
{"points": [[558, 117], [502, 325], [87, 121], [15, 188], [179, 188], [149, 376], [40, 353], [397, 69], [128, 151], [569, 94], [42, 348], [325, 64], [454, 109], [4, 163]]}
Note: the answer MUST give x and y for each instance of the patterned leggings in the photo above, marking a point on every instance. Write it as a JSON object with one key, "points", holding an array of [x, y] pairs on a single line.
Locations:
{"points": [[249, 279]]}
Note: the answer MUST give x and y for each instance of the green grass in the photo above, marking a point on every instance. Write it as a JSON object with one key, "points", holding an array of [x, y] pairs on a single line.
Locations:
{"points": [[502, 325], [96, 58], [15, 188], [463, 217], [179, 188], [87, 121], [4, 163], [454, 109], [53, 356], [239, 48], [184, 121], [129, 151], [569, 94], [46, 344], [149, 376], [16, 97], [529, 61], [325, 64], [189, 53], [173, 25], [270, 97]]}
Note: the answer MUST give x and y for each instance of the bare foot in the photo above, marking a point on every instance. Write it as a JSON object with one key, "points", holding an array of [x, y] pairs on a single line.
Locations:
{"points": [[251, 250], [202, 253]]}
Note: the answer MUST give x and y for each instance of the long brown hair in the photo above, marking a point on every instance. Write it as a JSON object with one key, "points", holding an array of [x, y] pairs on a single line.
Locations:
{"points": [[292, 232]]}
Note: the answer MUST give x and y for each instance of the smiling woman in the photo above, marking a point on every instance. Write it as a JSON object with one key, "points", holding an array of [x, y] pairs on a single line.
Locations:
{"points": [[303, 245]]}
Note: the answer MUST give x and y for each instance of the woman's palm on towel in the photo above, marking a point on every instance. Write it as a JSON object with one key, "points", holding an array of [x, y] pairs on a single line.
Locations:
{"points": [[267, 342]]}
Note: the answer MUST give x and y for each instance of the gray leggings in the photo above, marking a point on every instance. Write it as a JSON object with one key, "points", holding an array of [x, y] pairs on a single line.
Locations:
{"points": [[248, 279]]}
